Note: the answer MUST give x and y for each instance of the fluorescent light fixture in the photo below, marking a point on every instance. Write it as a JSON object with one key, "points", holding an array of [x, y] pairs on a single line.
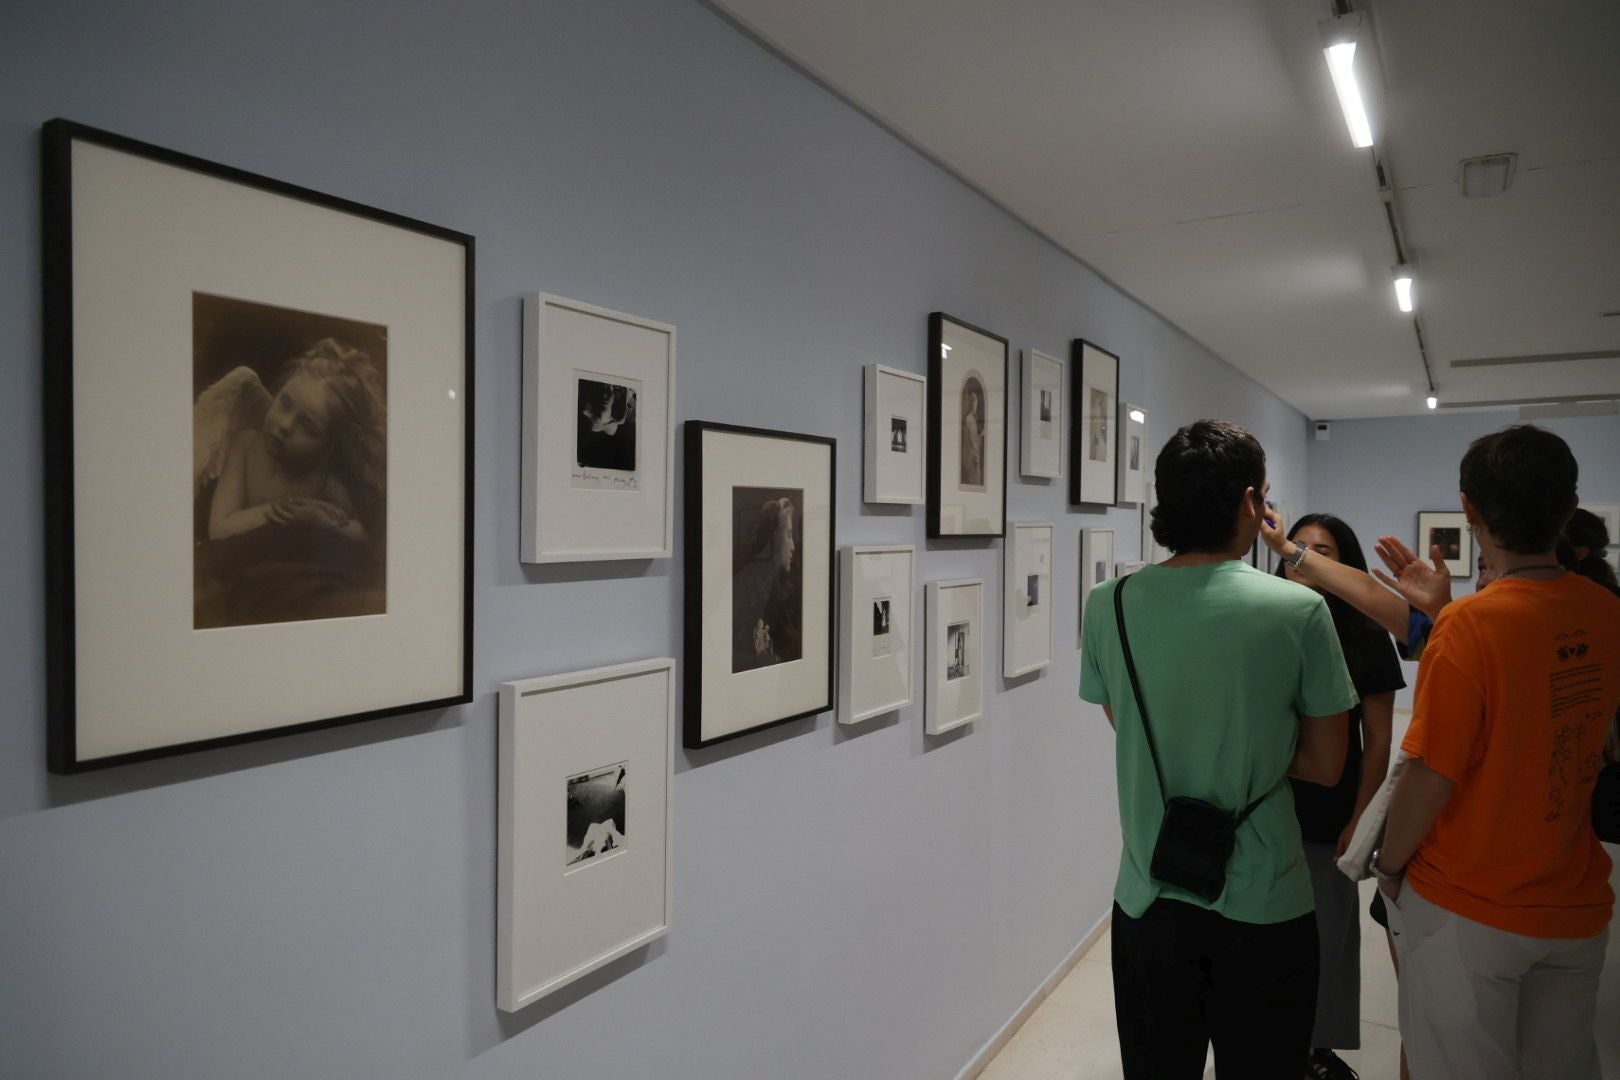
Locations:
{"points": [[1339, 43], [1432, 402], [1403, 288], [1139, 416]]}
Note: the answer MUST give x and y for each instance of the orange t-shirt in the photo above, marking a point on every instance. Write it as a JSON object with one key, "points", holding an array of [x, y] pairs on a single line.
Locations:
{"points": [[1514, 698]]}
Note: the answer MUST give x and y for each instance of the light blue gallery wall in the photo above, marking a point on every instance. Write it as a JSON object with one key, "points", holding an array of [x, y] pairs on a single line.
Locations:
{"points": [[1379, 474], [847, 904]]}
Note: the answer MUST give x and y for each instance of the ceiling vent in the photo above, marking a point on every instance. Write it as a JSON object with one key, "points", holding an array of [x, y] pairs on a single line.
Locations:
{"points": [[1483, 177]]}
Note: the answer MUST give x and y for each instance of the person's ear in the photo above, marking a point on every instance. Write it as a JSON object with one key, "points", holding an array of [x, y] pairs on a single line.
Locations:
{"points": [[1469, 510]]}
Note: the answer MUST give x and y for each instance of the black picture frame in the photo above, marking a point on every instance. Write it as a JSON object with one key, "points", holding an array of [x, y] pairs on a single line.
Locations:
{"points": [[1093, 481], [64, 667], [698, 568], [994, 472]]}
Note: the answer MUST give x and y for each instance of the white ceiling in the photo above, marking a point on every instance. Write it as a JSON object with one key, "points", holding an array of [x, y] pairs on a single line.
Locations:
{"points": [[1195, 155]]}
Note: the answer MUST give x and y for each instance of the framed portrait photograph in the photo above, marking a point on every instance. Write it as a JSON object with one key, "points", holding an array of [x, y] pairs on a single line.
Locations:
{"points": [[896, 409], [307, 362], [875, 651], [1041, 423], [1093, 474], [1026, 618], [583, 861], [1447, 530], [598, 433], [955, 618], [759, 574], [1135, 463], [1096, 563], [1610, 513], [967, 430]]}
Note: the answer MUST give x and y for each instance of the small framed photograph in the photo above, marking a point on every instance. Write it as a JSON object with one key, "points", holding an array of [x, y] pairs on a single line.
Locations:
{"points": [[1610, 514], [1041, 428], [584, 823], [759, 573], [875, 647], [1151, 551], [955, 654], [1133, 451], [967, 430], [598, 433], [1096, 563], [894, 464], [1447, 530], [1093, 475], [1026, 620], [308, 363]]}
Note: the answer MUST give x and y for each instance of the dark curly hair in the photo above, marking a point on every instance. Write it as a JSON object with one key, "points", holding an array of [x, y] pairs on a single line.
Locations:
{"points": [[1199, 477], [1521, 481], [1587, 532]]}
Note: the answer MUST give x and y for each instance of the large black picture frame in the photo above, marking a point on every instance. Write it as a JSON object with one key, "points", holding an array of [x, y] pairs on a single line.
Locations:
{"points": [[1093, 370], [712, 686], [950, 503], [103, 196]]}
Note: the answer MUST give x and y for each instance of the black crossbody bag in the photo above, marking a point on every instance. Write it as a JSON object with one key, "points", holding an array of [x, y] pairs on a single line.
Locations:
{"points": [[1196, 838]]}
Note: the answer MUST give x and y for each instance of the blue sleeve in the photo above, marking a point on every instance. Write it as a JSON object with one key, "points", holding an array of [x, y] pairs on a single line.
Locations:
{"points": [[1418, 626]]}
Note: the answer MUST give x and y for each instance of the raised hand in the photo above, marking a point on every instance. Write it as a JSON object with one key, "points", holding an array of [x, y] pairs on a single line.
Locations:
{"points": [[1425, 587]]}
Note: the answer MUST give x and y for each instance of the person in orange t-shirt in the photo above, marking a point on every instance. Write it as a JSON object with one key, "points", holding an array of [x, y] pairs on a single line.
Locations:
{"points": [[1497, 885]]}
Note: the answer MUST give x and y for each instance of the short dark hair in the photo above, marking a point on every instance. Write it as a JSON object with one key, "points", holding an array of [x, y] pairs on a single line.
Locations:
{"points": [[1199, 477], [1522, 483]]}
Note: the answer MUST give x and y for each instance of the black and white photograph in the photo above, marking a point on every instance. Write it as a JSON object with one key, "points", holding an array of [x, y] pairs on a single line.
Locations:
{"points": [[767, 580], [1448, 540], [1100, 408], [1098, 447], [1099, 571], [973, 433], [956, 651], [1046, 406], [595, 820], [1032, 591], [882, 639], [605, 440], [289, 465], [897, 434], [1136, 453]]}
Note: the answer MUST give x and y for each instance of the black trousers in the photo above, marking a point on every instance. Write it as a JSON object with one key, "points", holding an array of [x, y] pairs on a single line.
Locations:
{"points": [[1185, 977]]}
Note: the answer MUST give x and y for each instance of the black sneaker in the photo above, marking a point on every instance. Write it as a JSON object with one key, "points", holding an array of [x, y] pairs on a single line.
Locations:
{"points": [[1326, 1065]]}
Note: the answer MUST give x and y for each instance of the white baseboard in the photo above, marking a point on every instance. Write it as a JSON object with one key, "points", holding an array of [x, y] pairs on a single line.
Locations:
{"points": [[1001, 1038]]}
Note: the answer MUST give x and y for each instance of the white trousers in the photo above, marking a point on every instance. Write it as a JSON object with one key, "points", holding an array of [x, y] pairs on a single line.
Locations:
{"points": [[1478, 1003]]}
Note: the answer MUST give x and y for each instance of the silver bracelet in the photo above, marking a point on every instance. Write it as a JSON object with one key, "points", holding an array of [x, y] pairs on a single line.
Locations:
{"points": [[1300, 551]]}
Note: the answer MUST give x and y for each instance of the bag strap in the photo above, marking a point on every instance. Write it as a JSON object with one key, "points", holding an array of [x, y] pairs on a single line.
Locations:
{"points": [[1141, 708]]}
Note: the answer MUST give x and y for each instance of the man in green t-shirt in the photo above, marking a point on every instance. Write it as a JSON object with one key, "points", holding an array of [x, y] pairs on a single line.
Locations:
{"points": [[1245, 685]]}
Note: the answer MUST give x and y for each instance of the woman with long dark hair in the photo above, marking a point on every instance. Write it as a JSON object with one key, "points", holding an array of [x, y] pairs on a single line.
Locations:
{"points": [[1328, 815]]}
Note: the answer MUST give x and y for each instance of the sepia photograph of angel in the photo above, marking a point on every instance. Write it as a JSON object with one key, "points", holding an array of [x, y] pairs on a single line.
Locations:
{"points": [[289, 471]]}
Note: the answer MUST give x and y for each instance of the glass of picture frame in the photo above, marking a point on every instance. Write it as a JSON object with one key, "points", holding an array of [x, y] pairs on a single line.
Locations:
{"points": [[967, 430], [598, 433], [894, 463], [759, 572], [1096, 563], [1026, 620], [955, 620], [1447, 530], [583, 865], [1134, 455], [1093, 477], [317, 570], [875, 646], [1041, 427]]}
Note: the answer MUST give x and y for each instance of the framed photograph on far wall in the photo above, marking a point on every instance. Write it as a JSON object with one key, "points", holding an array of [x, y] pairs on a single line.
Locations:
{"points": [[598, 433], [1026, 619], [1135, 463], [875, 644], [955, 617], [967, 430], [1041, 423], [1096, 563], [583, 861], [1094, 372], [1610, 514], [1448, 530], [896, 445], [759, 572], [307, 362]]}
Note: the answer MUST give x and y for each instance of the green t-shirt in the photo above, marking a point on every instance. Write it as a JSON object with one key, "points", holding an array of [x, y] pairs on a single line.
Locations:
{"points": [[1229, 658]]}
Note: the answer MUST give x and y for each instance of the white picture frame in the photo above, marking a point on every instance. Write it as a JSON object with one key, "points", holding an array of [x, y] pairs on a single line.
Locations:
{"points": [[1041, 428], [1449, 529], [1610, 513], [895, 458], [1133, 454], [578, 503], [876, 658], [1096, 563], [955, 628], [1026, 617], [565, 909]]}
